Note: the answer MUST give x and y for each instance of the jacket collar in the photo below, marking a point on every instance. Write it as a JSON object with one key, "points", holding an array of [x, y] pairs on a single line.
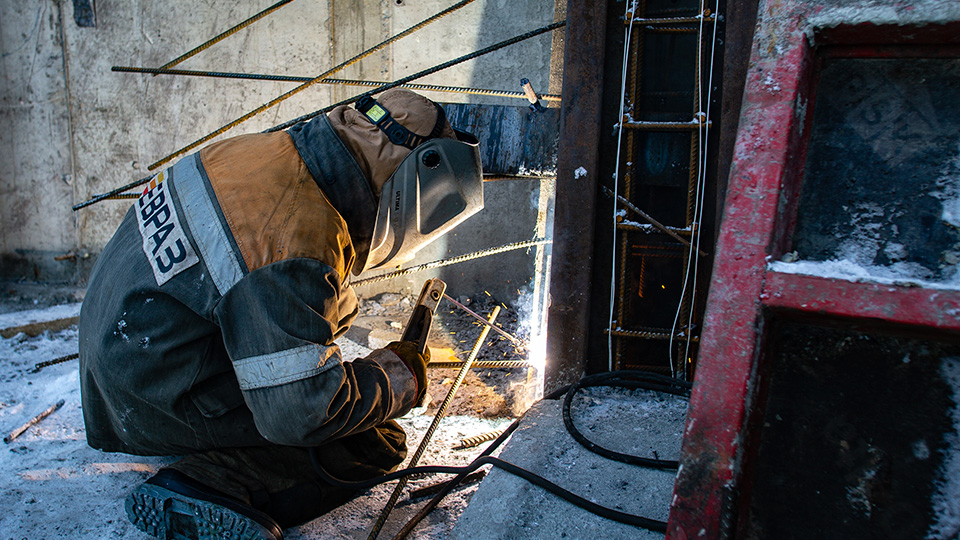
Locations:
{"points": [[339, 177]]}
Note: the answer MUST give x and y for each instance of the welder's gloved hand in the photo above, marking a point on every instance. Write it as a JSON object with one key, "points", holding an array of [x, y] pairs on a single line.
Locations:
{"points": [[409, 352]]}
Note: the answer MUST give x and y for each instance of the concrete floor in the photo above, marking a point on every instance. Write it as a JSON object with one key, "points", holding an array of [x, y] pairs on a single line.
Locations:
{"points": [[640, 423]]}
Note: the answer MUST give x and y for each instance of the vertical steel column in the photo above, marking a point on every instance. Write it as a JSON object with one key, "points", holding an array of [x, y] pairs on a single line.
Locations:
{"points": [[577, 169]]}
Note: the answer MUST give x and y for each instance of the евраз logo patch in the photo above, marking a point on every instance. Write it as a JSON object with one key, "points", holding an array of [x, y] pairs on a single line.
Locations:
{"points": [[165, 242]]}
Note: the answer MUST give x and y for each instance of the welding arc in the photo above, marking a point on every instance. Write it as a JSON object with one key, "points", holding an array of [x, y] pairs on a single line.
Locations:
{"points": [[424, 73], [441, 412], [309, 83], [343, 82], [624, 379], [453, 260], [207, 44]]}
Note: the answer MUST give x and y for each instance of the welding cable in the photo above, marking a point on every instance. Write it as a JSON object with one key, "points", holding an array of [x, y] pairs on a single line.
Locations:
{"points": [[624, 379], [586, 504], [486, 459]]}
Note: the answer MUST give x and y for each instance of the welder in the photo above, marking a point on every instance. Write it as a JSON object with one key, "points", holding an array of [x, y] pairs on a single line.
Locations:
{"points": [[209, 324]]}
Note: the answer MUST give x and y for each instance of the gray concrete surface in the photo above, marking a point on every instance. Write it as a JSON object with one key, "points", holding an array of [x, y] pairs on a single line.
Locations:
{"points": [[641, 423], [71, 128]]}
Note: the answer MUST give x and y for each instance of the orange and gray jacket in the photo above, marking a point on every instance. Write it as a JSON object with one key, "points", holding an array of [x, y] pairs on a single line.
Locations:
{"points": [[210, 316]]}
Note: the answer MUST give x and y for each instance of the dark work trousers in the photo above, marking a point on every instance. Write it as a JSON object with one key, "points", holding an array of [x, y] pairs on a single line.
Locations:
{"points": [[281, 480]]}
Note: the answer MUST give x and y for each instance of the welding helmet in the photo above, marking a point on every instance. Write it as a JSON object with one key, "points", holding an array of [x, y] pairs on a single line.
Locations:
{"points": [[436, 187]]}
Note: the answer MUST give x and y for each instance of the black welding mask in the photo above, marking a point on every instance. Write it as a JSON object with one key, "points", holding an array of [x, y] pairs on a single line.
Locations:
{"points": [[436, 187]]}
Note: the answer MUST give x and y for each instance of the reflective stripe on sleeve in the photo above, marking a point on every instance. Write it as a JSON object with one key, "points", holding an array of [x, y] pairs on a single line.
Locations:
{"points": [[286, 366], [204, 223]]}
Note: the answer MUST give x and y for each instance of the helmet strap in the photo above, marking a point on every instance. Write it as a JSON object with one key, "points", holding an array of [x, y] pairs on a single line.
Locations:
{"points": [[396, 132]]}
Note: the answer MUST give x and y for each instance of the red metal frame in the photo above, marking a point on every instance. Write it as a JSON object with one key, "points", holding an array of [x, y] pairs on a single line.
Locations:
{"points": [[760, 212]]}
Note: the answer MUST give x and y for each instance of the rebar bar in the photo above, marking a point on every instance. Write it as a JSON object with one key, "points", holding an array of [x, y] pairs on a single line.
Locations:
{"points": [[306, 85], [125, 196], [664, 126], [227, 33], [453, 260], [477, 440], [20, 430], [308, 116], [488, 364], [620, 332], [112, 193], [666, 230], [343, 82], [55, 361], [671, 20], [424, 73], [516, 341], [433, 425], [439, 486]]}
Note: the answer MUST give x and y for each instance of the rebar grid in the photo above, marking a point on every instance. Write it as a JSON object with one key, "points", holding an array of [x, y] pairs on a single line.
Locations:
{"points": [[424, 73], [624, 301], [379, 89], [310, 83]]}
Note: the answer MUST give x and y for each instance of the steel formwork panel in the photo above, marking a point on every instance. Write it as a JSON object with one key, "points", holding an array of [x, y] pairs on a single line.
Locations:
{"points": [[758, 224]]}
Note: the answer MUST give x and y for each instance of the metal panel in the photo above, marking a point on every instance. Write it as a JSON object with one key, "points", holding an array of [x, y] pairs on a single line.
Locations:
{"points": [[513, 140], [577, 168], [727, 405]]}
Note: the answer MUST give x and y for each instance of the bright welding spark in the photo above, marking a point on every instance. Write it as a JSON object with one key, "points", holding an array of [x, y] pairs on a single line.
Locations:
{"points": [[537, 350]]}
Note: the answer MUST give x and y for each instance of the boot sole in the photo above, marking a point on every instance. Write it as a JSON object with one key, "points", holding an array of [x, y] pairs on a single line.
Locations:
{"points": [[169, 515]]}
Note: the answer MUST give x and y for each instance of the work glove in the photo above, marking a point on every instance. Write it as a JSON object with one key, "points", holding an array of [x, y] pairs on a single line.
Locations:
{"points": [[416, 362]]}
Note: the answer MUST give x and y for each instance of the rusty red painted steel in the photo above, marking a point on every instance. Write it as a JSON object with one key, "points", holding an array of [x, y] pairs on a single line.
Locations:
{"points": [[711, 444], [759, 214], [908, 305]]}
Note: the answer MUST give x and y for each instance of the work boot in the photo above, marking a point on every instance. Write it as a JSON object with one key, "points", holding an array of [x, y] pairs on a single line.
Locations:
{"points": [[173, 506]]}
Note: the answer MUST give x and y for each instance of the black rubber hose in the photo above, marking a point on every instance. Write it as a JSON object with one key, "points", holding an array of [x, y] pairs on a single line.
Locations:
{"points": [[602, 511], [624, 379]]}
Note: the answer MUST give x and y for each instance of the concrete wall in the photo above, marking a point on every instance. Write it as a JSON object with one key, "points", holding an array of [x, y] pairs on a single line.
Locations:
{"points": [[71, 128]]}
